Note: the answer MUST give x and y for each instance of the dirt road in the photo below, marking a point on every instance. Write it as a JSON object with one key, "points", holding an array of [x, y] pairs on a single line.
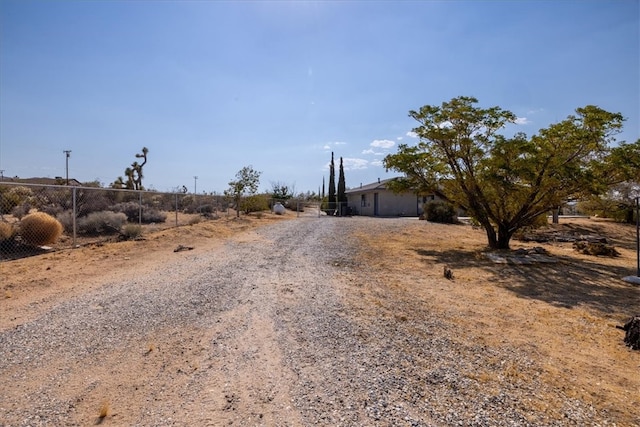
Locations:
{"points": [[264, 329]]}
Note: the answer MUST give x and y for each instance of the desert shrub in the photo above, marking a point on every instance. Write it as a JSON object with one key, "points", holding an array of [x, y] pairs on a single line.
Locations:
{"points": [[8, 202], [21, 210], [6, 231], [104, 222], [440, 212], [89, 201], [195, 220], [255, 203], [66, 219], [595, 248], [53, 210], [131, 231], [10, 197], [132, 211], [39, 229]]}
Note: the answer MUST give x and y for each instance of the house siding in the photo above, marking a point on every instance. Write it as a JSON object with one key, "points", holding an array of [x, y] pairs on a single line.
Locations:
{"points": [[362, 201]]}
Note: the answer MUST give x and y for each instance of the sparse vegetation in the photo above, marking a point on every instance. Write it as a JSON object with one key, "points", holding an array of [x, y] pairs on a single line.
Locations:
{"points": [[10, 197], [131, 231], [595, 248], [104, 409], [39, 229], [6, 231], [105, 222], [132, 211]]}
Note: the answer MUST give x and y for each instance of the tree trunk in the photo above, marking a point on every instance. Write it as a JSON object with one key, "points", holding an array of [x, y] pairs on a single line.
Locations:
{"points": [[501, 239], [628, 215], [492, 238], [556, 215]]}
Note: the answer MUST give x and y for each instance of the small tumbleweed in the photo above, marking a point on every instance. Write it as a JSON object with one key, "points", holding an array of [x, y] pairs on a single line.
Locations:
{"points": [[448, 273]]}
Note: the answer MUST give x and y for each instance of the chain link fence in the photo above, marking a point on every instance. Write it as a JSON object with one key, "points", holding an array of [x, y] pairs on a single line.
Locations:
{"points": [[35, 218]]}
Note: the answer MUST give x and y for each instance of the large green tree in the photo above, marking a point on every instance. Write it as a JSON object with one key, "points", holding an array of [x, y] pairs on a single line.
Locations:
{"points": [[620, 172], [503, 182], [246, 184]]}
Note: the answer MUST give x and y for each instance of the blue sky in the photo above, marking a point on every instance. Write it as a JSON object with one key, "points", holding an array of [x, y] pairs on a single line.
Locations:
{"points": [[213, 86]]}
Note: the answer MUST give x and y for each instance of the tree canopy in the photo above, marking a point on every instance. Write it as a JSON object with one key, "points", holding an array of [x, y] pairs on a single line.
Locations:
{"points": [[246, 184], [504, 183]]}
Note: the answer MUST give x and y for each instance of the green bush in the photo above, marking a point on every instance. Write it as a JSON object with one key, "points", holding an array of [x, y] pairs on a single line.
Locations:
{"points": [[440, 212], [39, 229], [105, 222], [255, 203]]}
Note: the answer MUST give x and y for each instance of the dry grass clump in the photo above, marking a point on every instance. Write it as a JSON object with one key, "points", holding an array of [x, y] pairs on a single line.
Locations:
{"points": [[6, 231], [595, 248], [104, 409], [39, 229], [132, 231]]}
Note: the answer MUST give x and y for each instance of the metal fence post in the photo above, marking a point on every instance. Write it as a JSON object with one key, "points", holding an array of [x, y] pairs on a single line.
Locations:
{"points": [[638, 236], [74, 215], [176, 209]]}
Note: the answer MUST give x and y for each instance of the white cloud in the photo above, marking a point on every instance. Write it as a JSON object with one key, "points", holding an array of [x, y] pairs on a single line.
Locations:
{"points": [[353, 164], [376, 163], [399, 138], [382, 143], [373, 152], [412, 134], [522, 121], [339, 143], [326, 147]]}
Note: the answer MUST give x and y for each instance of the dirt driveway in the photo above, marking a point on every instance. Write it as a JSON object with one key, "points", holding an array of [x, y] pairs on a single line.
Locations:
{"points": [[291, 323]]}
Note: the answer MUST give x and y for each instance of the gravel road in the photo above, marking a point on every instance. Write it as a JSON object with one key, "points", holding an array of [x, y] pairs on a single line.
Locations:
{"points": [[259, 331]]}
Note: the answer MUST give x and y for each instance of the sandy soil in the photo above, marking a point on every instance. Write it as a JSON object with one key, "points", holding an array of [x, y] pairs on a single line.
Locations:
{"points": [[562, 316]]}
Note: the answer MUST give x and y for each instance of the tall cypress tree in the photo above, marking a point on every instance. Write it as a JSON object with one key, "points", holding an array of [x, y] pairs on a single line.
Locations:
{"points": [[342, 197], [332, 184]]}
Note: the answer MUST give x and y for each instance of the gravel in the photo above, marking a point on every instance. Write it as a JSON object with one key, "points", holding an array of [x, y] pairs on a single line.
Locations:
{"points": [[259, 332]]}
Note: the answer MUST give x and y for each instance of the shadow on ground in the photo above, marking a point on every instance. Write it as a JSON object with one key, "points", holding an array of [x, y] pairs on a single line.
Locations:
{"points": [[568, 283]]}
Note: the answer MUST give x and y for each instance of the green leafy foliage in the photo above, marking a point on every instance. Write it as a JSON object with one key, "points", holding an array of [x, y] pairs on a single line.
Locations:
{"points": [[442, 212], [255, 203], [332, 187], [504, 183], [246, 184]]}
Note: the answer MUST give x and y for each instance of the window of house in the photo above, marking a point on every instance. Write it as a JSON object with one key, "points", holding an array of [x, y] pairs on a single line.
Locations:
{"points": [[363, 201]]}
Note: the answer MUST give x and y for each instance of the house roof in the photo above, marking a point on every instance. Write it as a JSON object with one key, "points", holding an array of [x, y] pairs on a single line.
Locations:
{"points": [[41, 181], [379, 185]]}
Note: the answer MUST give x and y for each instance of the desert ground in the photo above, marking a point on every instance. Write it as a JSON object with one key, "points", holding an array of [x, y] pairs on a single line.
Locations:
{"points": [[286, 320]]}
